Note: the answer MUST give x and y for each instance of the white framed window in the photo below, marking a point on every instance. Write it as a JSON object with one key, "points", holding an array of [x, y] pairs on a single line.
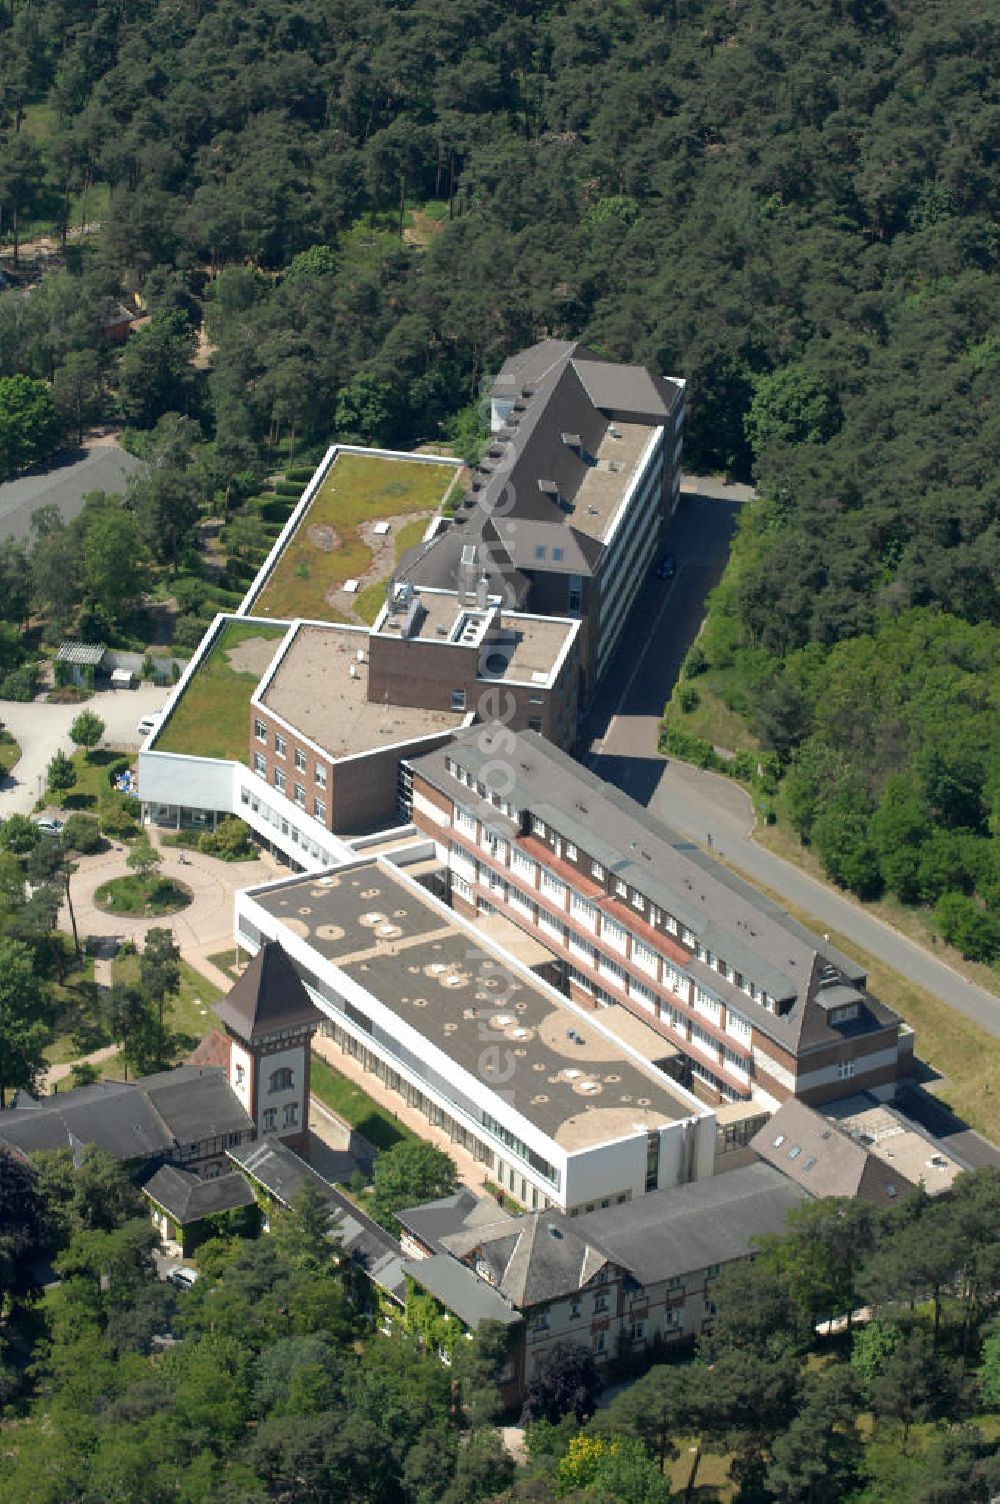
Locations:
{"points": [[522, 864], [553, 887], [641, 995], [638, 902], [581, 949], [520, 902], [675, 980], [260, 764], [708, 1006], [621, 888], [458, 699], [596, 870], [737, 1026], [300, 795], [599, 1342], [612, 971], [551, 927], [464, 821], [320, 776], [687, 937], [846, 1069], [280, 781], [637, 1331], [571, 852], [300, 760], [600, 1302], [291, 1114], [614, 934], [645, 958], [280, 744], [462, 888], [319, 809], [270, 1119], [670, 923], [260, 730], [538, 827], [583, 911]]}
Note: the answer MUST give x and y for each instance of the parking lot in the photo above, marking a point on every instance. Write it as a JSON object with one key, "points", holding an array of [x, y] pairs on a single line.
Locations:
{"points": [[42, 729]]}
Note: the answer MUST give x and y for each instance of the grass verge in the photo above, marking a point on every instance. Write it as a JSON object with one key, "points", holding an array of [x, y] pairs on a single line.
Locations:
{"points": [[356, 1107], [711, 718], [225, 961], [965, 1055], [10, 751]]}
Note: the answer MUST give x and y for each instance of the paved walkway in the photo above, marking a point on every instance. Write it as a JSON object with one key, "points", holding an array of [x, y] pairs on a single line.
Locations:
{"points": [[204, 927]]}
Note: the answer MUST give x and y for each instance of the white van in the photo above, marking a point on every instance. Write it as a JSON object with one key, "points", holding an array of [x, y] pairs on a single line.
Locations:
{"points": [[183, 1277], [148, 725]]}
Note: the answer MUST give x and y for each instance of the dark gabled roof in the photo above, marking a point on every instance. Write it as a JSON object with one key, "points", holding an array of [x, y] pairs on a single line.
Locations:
{"points": [[564, 398], [531, 1259], [449, 1214], [196, 1103], [461, 1291], [686, 1228], [187, 1199], [817, 1155], [115, 1115], [267, 998], [281, 1173], [751, 932]]}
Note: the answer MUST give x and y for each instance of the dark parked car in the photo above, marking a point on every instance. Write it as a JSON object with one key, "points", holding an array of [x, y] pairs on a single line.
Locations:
{"points": [[667, 567]]}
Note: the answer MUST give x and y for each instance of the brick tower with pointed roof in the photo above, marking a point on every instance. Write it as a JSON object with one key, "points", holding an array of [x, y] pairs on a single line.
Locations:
{"points": [[269, 1021]]}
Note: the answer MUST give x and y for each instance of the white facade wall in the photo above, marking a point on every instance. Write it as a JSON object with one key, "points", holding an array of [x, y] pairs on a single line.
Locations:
{"points": [[606, 1170], [240, 1058], [292, 1059]]}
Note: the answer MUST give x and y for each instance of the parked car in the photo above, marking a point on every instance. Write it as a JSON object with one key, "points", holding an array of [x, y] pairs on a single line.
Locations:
{"points": [[183, 1277], [48, 825], [667, 567], [147, 725]]}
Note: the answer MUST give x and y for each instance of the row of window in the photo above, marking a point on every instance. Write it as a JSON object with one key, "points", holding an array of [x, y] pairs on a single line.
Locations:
{"points": [[736, 1026], [298, 789], [281, 750], [615, 933]]}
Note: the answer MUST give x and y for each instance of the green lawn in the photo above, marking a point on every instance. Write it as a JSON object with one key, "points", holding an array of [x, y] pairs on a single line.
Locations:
{"points": [[711, 718], [142, 896], [225, 960], [359, 488], [965, 1055], [212, 717], [356, 1106], [10, 751], [91, 778], [190, 1013]]}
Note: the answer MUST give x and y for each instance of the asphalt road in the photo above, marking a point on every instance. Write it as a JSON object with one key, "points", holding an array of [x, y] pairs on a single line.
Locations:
{"points": [[708, 809]]}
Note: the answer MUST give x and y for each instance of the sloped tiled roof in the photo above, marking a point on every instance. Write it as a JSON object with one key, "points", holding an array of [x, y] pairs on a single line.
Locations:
{"points": [[267, 998], [187, 1199], [824, 1160]]}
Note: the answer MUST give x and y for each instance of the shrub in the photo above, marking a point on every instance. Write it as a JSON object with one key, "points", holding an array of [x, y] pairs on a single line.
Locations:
{"points": [[276, 509], [147, 667], [61, 673], [188, 631], [230, 840], [19, 835], [288, 488], [743, 766], [300, 475], [695, 749], [82, 833], [21, 684], [119, 815], [688, 698], [115, 769], [695, 663]]}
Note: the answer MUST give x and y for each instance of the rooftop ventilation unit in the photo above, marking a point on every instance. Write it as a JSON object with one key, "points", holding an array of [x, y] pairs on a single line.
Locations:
{"points": [[572, 440], [614, 432]]}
